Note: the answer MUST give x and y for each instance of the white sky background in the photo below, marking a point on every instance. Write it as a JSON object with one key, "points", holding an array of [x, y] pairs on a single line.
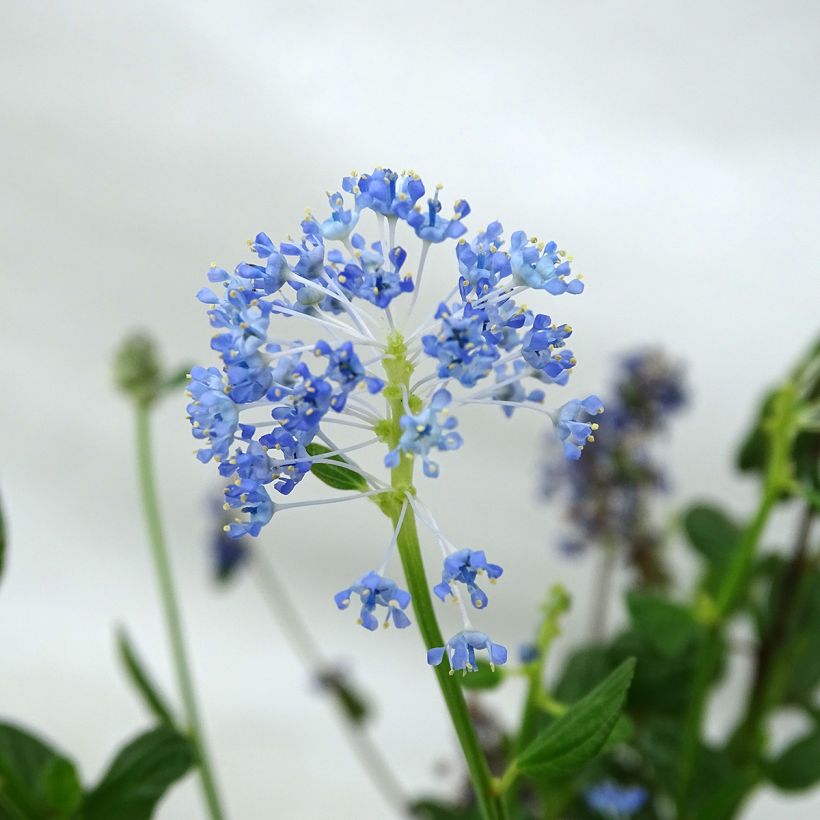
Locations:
{"points": [[672, 147]]}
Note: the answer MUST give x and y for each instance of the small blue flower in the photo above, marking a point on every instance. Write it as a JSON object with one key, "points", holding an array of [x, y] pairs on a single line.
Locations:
{"points": [[306, 403], [341, 221], [461, 649], [212, 413], [424, 432], [481, 263], [369, 279], [345, 368], [571, 430], [463, 567], [250, 498], [375, 590], [539, 345], [385, 192], [541, 267], [613, 800], [460, 345], [528, 652], [431, 227]]}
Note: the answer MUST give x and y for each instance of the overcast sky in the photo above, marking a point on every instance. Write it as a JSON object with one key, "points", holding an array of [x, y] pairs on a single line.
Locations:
{"points": [[672, 147]]}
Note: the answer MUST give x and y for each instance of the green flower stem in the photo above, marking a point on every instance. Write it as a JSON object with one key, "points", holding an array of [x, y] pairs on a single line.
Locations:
{"points": [[398, 371], [170, 606], [276, 596], [781, 430]]}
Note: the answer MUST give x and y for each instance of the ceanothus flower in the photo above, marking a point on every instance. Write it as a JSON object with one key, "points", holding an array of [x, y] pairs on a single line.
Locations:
{"points": [[463, 567], [613, 800], [461, 648], [377, 591], [320, 357], [425, 431]]}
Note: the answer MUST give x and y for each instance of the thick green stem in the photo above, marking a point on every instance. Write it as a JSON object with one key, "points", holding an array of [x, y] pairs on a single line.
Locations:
{"points": [[781, 431], [398, 371], [170, 607]]}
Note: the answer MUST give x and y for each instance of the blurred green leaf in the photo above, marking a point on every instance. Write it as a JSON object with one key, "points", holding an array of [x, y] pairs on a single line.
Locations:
{"points": [[142, 681], [579, 734], [798, 767], [35, 781], [341, 477], [482, 678], [804, 650], [715, 536], [584, 669], [429, 809], [139, 776], [668, 627]]}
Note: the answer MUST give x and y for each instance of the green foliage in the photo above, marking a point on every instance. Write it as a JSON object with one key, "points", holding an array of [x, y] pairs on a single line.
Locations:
{"points": [[798, 767], [579, 735], [146, 688], [139, 776], [668, 627], [38, 783], [343, 477], [35, 780], [715, 537]]}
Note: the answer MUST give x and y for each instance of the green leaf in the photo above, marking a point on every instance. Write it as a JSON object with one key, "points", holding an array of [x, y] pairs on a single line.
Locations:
{"points": [[482, 678], [798, 767], [142, 681], [35, 781], [579, 734], [715, 536], [666, 626], [341, 477], [353, 705], [139, 776], [585, 667]]}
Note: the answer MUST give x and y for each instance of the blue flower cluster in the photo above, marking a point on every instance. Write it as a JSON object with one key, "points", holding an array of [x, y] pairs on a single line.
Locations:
{"points": [[269, 413], [609, 491]]}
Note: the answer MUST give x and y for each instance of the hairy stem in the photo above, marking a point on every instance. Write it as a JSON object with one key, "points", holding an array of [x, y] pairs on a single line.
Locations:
{"points": [[173, 620]]}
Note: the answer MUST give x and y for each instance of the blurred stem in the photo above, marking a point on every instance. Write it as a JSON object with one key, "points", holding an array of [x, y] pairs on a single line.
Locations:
{"points": [[781, 429], [603, 591], [748, 738], [173, 620], [275, 594], [398, 371]]}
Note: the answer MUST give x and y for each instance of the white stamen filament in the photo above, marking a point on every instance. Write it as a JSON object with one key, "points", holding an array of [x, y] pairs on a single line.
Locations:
{"points": [[392, 546]]}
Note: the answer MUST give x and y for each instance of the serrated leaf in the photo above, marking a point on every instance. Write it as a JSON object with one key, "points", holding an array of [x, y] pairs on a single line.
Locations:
{"points": [[798, 768], [35, 781], [579, 734], [482, 678], [341, 477], [668, 627], [139, 776], [142, 681]]}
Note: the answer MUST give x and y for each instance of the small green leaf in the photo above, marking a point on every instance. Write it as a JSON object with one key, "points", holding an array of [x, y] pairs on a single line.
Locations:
{"points": [[341, 477], [798, 767], [142, 681], [352, 704], [715, 536], [584, 668], [35, 781], [139, 776], [666, 626], [578, 735], [482, 678]]}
